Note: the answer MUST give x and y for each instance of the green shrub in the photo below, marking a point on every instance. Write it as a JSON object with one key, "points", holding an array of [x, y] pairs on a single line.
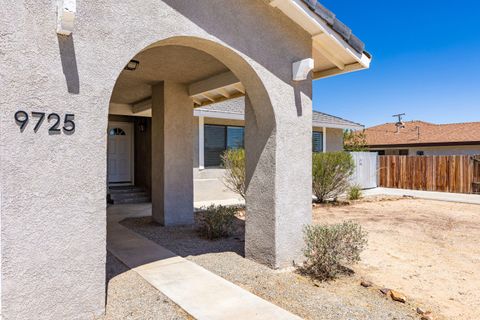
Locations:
{"points": [[329, 248], [217, 221], [354, 192], [331, 174], [234, 163]]}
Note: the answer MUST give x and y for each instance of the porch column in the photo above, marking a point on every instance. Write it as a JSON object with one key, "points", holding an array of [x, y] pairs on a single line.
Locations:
{"points": [[279, 177], [172, 154], [201, 142], [324, 136]]}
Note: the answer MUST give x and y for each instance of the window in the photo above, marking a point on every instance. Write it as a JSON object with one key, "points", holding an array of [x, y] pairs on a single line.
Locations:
{"points": [[403, 152], [317, 141], [235, 137], [420, 153], [218, 139], [117, 132]]}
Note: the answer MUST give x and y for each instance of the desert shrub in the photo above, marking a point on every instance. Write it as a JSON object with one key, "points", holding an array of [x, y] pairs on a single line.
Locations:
{"points": [[331, 174], [330, 248], [234, 163], [217, 221], [354, 141], [354, 192]]}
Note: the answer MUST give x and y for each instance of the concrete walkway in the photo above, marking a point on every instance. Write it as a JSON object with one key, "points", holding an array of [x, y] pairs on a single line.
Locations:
{"points": [[199, 292], [429, 195]]}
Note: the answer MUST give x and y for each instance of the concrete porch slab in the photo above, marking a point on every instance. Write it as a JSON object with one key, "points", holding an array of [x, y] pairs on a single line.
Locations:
{"points": [[199, 292]]}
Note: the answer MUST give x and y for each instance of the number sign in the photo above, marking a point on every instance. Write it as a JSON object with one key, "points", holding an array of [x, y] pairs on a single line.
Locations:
{"points": [[54, 120]]}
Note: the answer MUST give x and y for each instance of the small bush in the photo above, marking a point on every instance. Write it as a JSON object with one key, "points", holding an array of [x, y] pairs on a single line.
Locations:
{"points": [[355, 192], [234, 163], [331, 174], [329, 248], [217, 221]]}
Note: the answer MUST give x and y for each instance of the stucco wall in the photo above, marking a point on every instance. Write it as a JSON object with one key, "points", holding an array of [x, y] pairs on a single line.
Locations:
{"points": [[53, 186]]}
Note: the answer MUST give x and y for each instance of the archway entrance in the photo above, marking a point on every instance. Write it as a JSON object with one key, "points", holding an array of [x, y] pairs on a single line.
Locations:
{"points": [[156, 95]]}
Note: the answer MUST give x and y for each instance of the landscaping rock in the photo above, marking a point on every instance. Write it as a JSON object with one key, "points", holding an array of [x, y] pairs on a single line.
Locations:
{"points": [[385, 291], [366, 284], [420, 310], [398, 296], [427, 316]]}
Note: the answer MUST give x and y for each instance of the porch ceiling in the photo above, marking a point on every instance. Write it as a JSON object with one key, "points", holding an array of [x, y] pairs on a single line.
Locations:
{"points": [[170, 63]]}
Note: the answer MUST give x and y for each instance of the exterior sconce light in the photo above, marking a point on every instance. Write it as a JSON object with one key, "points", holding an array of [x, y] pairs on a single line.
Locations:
{"points": [[132, 65], [142, 125]]}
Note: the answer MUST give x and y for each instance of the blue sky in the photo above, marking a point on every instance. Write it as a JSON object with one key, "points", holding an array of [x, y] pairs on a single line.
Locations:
{"points": [[426, 62]]}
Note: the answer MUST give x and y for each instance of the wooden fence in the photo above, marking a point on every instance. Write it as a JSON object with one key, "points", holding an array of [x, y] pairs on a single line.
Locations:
{"points": [[459, 174]]}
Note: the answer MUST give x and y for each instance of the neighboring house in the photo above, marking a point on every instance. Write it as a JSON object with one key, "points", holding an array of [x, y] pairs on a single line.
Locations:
{"points": [[221, 126], [424, 138]]}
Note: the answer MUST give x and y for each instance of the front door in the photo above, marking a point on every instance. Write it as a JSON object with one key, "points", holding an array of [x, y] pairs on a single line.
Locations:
{"points": [[120, 152]]}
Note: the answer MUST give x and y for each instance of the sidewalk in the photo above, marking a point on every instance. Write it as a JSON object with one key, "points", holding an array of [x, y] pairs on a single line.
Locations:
{"points": [[429, 195], [199, 292]]}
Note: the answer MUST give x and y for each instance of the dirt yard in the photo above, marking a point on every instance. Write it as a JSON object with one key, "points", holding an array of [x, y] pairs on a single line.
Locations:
{"points": [[429, 250]]}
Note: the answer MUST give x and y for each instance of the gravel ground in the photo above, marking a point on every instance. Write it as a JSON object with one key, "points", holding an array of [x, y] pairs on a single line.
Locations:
{"points": [[131, 297], [341, 299]]}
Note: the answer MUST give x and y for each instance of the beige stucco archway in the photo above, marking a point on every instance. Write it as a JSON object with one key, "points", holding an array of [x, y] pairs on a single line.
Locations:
{"points": [[176, 162]]}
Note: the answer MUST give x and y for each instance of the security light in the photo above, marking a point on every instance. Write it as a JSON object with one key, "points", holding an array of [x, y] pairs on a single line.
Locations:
{"points": [[132, 65]]}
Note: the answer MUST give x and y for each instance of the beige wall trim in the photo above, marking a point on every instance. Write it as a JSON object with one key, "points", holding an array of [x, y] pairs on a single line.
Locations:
{"points": [[219, 115], [337, 126]]}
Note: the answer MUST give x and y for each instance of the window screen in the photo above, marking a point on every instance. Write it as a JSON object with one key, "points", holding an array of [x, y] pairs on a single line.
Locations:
{"points": [[235, 136], [220, 138], [214, 145], [317, 141]]}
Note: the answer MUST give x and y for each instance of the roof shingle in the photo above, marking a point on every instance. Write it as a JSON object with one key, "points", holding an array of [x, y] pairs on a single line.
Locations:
{"points": [[337, 25], [319, 119], [420, 132]]}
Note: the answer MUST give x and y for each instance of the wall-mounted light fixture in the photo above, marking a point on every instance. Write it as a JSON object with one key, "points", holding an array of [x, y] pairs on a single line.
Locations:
{"points": [[142, 125], [132, 65]]}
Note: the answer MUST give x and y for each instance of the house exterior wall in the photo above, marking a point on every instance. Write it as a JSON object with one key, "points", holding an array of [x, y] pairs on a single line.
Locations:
{"points": [[53, 186], [334, 139]]}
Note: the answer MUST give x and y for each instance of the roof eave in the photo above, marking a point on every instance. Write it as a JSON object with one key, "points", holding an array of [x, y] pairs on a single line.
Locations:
{"points": [[425, 144], [337, 126], [323, 35]]}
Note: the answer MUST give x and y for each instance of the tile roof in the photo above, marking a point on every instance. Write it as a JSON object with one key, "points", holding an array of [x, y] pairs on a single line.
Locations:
{"points": [[423, 133], [320, 119], [338, 26]]}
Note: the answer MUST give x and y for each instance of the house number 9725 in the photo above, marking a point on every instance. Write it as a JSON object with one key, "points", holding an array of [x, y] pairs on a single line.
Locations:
{"points": [[22, 118]]}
